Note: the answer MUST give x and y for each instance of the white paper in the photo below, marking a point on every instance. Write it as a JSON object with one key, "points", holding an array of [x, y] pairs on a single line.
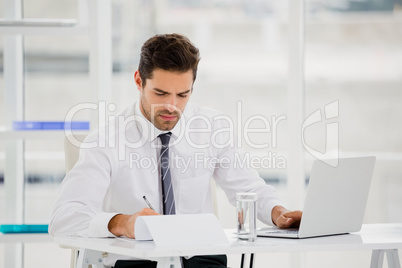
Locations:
{"points": [[181, 230], [141, 231]]}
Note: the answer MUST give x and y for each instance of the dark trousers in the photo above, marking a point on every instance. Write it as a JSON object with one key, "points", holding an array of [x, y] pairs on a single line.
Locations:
{"points": [[209, 261]]}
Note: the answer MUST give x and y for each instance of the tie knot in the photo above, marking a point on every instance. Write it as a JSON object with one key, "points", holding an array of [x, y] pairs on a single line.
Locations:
{"points": [[165, 138]]}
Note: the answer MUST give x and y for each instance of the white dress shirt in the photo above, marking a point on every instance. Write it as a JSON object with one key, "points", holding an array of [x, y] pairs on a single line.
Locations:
{"points": [[118, 165]]}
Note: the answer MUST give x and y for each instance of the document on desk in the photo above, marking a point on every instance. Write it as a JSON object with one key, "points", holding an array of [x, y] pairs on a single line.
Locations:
{"points": [[181, 230]]}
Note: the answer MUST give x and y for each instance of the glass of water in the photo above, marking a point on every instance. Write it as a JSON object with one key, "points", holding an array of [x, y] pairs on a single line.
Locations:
{"points": [[246, 209]]}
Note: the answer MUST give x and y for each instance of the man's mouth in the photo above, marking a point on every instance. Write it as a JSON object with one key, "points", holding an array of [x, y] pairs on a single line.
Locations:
{"points": [[168, 117]]}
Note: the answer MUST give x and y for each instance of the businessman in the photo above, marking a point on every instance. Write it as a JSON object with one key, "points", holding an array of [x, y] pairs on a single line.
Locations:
{"points": [[164, 148]]}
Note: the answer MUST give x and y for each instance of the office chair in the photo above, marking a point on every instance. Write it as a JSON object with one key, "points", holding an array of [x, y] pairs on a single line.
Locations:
{"points": [[80, 258], [71, 151]]}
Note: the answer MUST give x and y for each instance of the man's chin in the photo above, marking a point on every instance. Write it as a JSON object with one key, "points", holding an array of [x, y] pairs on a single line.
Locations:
{"points": [[166, 125]]}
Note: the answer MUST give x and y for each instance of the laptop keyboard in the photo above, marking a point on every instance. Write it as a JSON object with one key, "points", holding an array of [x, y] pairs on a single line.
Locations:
{"points": [[282, 232]]}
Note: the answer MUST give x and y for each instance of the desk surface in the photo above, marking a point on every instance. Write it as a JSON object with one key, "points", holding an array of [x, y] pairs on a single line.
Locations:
{"points": [[371, 237]]}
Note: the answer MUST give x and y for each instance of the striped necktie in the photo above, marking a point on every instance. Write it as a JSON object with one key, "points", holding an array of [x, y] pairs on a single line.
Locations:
{"points": [[167, 188]]}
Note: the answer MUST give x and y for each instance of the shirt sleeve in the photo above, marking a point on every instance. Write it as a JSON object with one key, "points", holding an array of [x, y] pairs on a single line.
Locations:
{"points": [[78, 209], [234, 174]]}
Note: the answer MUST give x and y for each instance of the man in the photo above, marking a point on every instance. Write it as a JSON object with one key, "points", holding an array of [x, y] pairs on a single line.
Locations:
{"points": [[163, 148]]}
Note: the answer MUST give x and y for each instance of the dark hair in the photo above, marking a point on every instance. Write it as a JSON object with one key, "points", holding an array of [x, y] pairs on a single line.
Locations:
{"points": [[169, 52]]}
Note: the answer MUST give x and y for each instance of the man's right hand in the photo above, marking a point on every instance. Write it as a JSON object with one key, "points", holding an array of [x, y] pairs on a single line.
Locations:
{"points": [[123, 225]]}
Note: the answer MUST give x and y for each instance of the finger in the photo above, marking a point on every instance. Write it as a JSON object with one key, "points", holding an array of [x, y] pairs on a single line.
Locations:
{"points": [[296, 218], [296, 215], [148, 212], [285, 222]]}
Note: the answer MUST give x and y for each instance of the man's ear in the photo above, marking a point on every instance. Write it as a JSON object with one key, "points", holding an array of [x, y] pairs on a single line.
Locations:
{"points": [[138, 80]]}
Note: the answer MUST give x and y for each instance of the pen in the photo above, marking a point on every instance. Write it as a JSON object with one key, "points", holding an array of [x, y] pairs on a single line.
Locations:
{"points": [[146, 201]]}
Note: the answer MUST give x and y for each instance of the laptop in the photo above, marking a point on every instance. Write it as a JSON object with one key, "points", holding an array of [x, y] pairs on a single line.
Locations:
{"points": [[335, 201]]}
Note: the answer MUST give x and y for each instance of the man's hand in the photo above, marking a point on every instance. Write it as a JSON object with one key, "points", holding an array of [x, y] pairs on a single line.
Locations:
{"points": [[284, 218], [123, 225]]}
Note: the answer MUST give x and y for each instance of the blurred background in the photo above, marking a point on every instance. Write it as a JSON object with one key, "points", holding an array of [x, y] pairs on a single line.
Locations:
{"points": [[352, 55]]}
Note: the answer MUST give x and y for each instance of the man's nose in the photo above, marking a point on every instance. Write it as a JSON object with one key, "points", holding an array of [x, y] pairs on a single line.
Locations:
{"points": [[171, 105]]}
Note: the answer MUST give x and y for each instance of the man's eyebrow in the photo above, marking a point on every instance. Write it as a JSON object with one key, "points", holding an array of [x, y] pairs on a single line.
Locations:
{"points": [[160, 91], [165, 92], [185, 92]]}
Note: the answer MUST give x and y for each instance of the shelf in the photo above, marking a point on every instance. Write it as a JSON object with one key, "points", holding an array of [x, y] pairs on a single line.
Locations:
{"points": [[25, 238], [42, 27], [36, 134], [94, 22]]}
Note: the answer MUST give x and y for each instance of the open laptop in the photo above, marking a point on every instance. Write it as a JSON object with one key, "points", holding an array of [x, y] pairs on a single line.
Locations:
{"points": [[335, 201]]}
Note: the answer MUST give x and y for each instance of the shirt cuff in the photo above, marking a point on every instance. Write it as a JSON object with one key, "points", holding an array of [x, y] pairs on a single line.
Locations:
{"points": [[98, 226], [266, 211]]}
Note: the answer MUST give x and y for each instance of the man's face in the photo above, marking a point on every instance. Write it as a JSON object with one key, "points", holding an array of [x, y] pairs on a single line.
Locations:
{"points": [[164, 97]]}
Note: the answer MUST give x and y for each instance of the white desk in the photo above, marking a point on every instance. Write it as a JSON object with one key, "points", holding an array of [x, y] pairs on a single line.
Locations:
{"points": [[379, 238]]}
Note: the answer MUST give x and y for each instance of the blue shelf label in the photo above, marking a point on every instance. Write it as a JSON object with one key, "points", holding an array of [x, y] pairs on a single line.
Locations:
{"points": [[50, 125]]}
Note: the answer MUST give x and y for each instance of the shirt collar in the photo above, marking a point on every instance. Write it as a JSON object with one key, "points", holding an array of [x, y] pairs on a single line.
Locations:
{"points": [[152, 132]]}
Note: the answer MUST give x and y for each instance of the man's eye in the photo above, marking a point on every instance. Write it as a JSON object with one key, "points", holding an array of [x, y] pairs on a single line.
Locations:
{"points": [[159, 94], [183, 96]]}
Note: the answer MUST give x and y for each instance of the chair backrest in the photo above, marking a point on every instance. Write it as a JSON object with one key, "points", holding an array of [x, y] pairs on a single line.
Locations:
{"points": [[72, 151]]}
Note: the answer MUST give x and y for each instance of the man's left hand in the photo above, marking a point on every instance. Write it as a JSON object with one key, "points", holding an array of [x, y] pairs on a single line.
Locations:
{"points": [[284, 218]]}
